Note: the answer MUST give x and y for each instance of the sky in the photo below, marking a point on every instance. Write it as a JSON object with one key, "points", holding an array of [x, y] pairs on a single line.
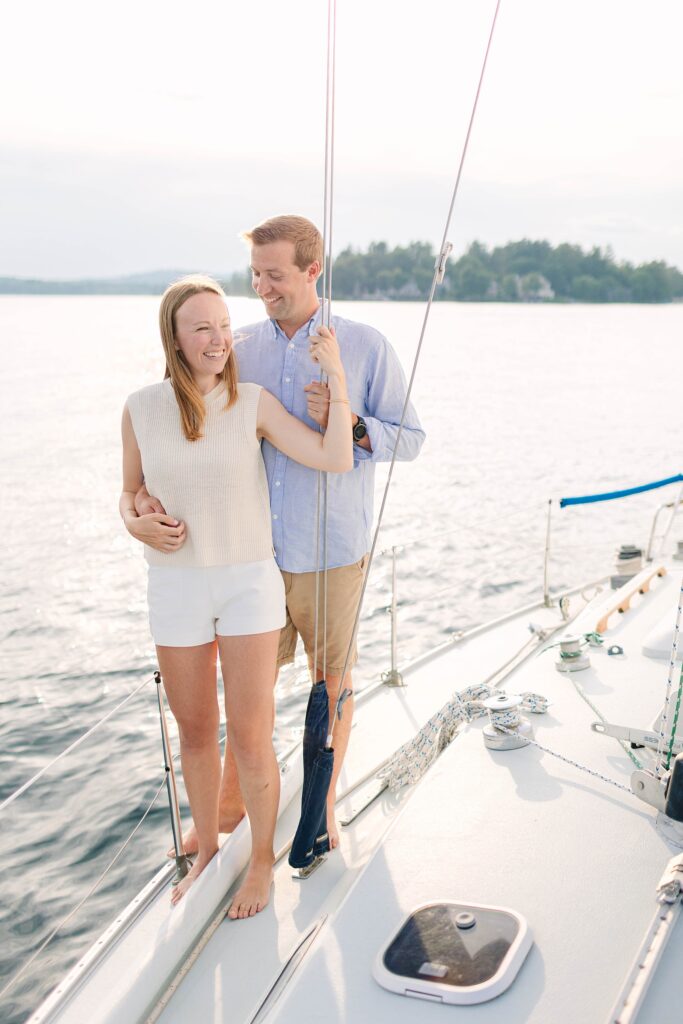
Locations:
{"points": [[144, 135]]}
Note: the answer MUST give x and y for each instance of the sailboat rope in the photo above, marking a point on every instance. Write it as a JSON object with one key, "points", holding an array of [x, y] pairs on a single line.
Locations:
{"points": [[326, 317], [663, 751], [437, 279]]}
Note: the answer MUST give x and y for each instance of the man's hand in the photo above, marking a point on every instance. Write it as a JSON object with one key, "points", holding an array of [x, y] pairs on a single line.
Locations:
{"points": [[145, 503], [318, 403], [159, 531]]}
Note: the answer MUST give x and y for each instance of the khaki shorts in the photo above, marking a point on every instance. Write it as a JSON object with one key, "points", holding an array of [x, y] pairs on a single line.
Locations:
{"points": [[343, 591]]}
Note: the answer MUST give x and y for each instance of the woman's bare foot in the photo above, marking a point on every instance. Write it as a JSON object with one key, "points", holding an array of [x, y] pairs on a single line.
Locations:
{"points": [[228, 820], [332, 830], [254, 893], [179, 890]]}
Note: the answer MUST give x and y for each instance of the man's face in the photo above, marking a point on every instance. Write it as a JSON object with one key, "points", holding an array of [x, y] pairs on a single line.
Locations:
{"points": [[287, 292]]}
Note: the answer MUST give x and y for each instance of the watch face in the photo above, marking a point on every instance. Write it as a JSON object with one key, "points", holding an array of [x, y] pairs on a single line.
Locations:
{"points": [[360, 430]]}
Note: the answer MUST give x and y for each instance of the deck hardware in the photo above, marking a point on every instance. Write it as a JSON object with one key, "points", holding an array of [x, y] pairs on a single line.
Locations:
{"points": [[392, 677], [465, 920], [506, 729], [615, 649], [678, 554], [182, 861], [665, 793], [650, 790], [303, 873], [636, 737], [670, 886], [441, 261], [640, 585], [571, 658], [629, 562]]}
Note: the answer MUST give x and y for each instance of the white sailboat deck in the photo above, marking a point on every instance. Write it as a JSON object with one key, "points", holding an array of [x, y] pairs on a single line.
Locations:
{"points": [[580, 859]]}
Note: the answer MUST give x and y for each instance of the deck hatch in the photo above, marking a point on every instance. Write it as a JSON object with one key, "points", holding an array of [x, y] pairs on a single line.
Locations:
{"points": [[462, 953]]}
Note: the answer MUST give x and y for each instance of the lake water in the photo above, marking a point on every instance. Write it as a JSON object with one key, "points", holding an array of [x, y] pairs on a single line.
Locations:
{"points": [[520, 404]]}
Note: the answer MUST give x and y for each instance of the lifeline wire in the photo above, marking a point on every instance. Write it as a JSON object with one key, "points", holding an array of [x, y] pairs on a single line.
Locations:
{"points": [[437, 277], [22, 970], [325, 319], [22, 789]]}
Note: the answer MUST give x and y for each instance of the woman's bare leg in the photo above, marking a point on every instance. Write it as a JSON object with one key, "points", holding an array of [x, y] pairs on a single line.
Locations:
{"points": [[189, 675], [248, 664]]}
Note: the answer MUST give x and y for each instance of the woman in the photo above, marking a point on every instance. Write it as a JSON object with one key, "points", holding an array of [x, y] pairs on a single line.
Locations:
{"points": [[194, 438]]}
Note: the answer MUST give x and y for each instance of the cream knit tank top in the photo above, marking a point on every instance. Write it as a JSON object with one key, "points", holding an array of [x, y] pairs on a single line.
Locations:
{"points": [[217, 485]]}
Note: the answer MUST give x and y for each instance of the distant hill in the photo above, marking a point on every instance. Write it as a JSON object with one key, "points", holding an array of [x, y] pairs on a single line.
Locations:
{"points": [[153, 282], [524, 271]]}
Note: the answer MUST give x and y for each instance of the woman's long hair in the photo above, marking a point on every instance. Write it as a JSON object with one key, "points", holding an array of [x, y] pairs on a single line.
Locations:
{"points": [[188, 396]]}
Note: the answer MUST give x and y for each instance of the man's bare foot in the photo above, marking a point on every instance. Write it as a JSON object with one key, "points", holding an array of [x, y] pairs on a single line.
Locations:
{"points": [[254, 893], [179, 890], [332, 829], [228, 820]]}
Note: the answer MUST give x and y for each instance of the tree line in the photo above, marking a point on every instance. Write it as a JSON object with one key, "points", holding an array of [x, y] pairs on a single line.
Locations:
{"points": [[524, 271]]}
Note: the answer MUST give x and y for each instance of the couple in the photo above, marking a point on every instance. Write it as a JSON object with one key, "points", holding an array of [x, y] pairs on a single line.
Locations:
{"points": [[216, 509]]}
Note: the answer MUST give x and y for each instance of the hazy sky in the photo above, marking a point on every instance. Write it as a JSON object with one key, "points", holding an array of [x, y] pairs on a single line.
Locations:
{"points": [[142, 135]]}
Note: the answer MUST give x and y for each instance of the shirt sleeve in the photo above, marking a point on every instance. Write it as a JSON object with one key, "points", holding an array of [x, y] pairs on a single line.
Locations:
{"points": [[386, 393]]}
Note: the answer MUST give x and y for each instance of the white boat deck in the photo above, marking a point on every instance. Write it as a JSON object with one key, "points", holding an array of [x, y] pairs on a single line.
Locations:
{"points": [[578, 858]]}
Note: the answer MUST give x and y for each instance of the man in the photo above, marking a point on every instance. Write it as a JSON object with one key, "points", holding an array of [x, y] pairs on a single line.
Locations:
{"points": [[286, 262]]}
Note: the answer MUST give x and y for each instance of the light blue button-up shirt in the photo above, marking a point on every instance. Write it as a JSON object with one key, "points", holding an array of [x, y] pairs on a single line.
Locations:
{"points": [[377, 389]]}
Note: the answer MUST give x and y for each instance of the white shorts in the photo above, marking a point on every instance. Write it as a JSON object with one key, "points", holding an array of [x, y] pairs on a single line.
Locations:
{"points": [[190, 606]]}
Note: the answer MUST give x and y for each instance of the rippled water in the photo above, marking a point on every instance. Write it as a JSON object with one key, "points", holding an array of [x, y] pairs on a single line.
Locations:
{"points": [[520, 403]]}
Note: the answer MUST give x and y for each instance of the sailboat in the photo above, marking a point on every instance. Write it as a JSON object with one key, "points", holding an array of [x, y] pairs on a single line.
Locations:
{"points": [[511, 844], [511, 841]]}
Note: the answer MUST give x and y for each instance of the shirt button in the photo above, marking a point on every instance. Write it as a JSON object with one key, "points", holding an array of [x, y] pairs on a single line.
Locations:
{"points": [[277, 483], [291, 344], [274, 515], [288, 380]]}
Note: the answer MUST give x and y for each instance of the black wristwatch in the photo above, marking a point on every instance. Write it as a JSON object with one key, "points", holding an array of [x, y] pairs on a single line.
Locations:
{"points": [[360, 430]]}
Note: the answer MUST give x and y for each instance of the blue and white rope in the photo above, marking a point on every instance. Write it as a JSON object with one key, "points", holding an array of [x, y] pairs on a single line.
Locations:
{"points": [[664, 758]]}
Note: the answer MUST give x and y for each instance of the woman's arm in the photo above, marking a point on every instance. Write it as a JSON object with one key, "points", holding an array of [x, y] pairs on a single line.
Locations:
{"points": [[164, 533], [331, 451]]}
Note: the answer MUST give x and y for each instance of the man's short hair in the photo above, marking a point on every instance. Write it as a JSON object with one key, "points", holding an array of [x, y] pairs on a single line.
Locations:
{"points": [[308, 242]]}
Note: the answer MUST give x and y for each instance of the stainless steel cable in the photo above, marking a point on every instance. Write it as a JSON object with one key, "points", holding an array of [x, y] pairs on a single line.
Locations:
{"points": [[22, 970], [436, 279], [81, 739]]}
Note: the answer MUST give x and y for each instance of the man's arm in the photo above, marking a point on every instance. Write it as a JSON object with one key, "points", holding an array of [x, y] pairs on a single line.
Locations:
{"points": [[386, 393]]}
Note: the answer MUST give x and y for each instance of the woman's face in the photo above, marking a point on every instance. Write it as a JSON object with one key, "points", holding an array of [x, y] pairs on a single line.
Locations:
{"points": [[203, 335]]}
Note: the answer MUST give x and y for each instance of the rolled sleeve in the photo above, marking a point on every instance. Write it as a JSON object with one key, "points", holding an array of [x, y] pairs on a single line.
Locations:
{"points": [[386, 396]]}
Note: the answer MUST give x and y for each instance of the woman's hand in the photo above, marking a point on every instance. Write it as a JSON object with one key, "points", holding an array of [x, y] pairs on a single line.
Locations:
{"points": [[325, 351], [161, 532], [318, 402]]}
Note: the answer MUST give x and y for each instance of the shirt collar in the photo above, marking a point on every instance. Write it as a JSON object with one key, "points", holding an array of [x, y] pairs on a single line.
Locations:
{"points": [[312, 323]]}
